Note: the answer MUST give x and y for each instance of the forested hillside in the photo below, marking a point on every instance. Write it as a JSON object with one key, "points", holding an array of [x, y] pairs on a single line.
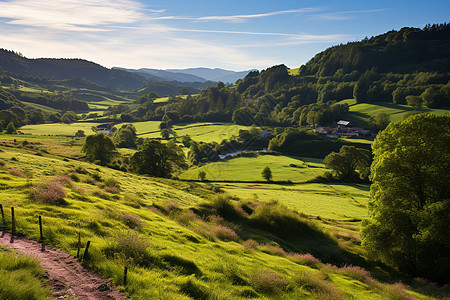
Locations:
{"points": [[409, 66], [69, 68]]}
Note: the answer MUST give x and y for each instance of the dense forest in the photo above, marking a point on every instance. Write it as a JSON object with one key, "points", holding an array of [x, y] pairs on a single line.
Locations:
{"points": [[409, 66]]}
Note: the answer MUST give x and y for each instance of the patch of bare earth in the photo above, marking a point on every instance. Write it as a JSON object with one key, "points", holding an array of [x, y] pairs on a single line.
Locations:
{"points": [[67, 278]]}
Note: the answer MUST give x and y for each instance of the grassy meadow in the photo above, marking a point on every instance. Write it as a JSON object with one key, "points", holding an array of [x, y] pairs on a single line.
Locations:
{"points": [[332, 201], [283, 168], [360, 113], [183, 240], [205, 132]]}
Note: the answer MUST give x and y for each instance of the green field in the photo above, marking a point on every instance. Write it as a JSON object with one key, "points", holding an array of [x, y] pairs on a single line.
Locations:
{"points": [[205, 132], [164, 100], [334, 201], [360, 113], [294, 72], [249, 169], [58, 129], [178, 254]]}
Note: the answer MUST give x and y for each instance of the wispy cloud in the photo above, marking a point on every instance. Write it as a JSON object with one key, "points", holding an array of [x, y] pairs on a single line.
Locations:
{"points": [[344, 15], [70, 15], [242, 18], [130, 34]]}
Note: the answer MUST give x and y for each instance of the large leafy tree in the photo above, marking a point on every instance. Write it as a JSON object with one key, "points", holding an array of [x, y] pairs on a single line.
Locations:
{"points": [[125, 136], [349, 163], [99, 147], [158, 159], [409, 210]]}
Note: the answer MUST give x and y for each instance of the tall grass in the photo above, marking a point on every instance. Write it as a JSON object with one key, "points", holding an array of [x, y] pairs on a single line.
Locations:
{"points": [[21, 278]]}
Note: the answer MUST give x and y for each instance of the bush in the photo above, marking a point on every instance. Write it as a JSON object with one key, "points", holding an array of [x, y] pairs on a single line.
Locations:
{"points": [[112, 182], [63, 180], [317, 284], [223, 207], [268, 282], [273, 249], [357, 273], [132, 247], [51, 192], [224, 233], [305, 259], [282, 221], [17, 173]]}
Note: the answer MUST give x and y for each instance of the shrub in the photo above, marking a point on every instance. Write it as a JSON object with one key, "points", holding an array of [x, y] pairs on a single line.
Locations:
{"points": [[223, 206], [112, 189], [318, 286], [268, 282], [224, 233], [186, 217], [273, 249], [305, 259], [250, 244], [132, 247], [131, 221], [396, 291], [357, 273], [17, 173], [51, 192], [78, 189], [63, 180], [282, 221], [112, 182]]}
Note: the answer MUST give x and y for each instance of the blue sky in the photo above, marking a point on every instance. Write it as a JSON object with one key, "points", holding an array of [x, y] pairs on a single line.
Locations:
{"points": [[236, 35]]}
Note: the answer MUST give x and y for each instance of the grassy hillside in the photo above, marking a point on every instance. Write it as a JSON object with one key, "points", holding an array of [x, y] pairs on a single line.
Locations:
{"points": [[360, 113], [186, 241]]}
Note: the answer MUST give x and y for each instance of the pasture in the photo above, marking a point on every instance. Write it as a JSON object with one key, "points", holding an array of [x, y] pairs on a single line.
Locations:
{"points": [[58, 128], [200, 132], [283, 168], [360, 113], [332, 201]]}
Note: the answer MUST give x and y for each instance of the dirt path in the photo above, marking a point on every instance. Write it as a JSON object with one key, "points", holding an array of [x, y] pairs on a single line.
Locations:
{"points": [[67, 278]]}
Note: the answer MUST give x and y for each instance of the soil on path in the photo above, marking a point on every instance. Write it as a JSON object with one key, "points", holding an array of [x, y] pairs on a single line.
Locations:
{"points": [[67, 278]]}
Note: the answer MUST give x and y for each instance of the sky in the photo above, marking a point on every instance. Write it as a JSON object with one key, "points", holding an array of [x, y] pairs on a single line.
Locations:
{"points": [[234, 35]]}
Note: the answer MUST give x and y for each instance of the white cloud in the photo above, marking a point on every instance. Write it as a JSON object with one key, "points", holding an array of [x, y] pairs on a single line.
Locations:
{"points": [[126, 33], [70, 15]]}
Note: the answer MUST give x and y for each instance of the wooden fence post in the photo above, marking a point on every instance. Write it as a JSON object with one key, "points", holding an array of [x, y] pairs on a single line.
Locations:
{"points": [[125, 272], [13, 225], [40, 230], [78, 244], [3, 215], [86, 253]]}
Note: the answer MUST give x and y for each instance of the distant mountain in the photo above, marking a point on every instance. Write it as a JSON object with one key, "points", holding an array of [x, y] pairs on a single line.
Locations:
{"points": [[62, 69], [216, 74], [163, 75], [189, 75]]}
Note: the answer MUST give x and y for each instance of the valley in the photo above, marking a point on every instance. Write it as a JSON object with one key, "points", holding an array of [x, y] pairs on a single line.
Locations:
{"points": [[284, 184]]}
